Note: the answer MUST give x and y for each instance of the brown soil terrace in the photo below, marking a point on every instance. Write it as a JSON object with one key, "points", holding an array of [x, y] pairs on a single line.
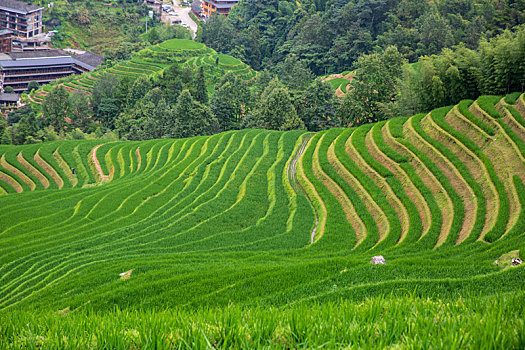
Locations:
{"points": [[508, 118], [17, 173], [372, 207], [380, 181], [488, 188], [426, 176], [474, 166], [49, 169], [11, 182], [65, 168], [139, 158], [36, 173], [506, 166], [97, 163], [349, 210], [409, 188], [520, 105], [414, 138]]}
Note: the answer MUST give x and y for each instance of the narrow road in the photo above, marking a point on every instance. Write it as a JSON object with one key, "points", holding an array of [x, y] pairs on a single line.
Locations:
{"points": [[292, 179], [181, 13]]}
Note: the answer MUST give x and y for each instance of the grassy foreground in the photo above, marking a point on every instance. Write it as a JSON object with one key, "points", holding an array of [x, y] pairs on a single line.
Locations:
{"points": [[405, 322]]}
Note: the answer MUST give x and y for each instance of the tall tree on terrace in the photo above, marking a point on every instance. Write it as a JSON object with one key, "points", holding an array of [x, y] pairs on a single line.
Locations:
{"points": [[231, 100], [317, 107], [373, 88], [199, 90], [275, 110], [55, 108]]}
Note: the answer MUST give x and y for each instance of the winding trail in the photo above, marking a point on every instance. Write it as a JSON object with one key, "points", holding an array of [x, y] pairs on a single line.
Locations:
{"points": [[97, 163], [296, 186]]}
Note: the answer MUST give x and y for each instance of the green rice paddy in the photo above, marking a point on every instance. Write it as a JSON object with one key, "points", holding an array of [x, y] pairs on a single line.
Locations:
{"points": [[263, 239], [154, 59]]}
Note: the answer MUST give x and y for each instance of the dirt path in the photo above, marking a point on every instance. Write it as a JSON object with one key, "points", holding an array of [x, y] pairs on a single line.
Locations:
{"points": [[97, 163], [139, 158], [297, 187], [292, 166]]}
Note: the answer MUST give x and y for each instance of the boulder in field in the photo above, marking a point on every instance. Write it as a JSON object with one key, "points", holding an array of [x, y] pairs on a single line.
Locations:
{"points": [[378, 260]]}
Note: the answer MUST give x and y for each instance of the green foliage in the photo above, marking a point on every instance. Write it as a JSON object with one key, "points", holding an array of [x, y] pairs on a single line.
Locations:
{"points": [[275, 110], [463, 108], [373, 88], [512, 98], [470, 322], [487, 103]]}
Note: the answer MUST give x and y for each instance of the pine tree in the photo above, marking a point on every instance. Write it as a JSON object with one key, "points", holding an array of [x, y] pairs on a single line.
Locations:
{"points": [[199, 91]]}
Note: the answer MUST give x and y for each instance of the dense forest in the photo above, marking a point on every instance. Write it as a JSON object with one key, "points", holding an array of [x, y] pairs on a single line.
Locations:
{"points": [[481, 57], [330, 35]]}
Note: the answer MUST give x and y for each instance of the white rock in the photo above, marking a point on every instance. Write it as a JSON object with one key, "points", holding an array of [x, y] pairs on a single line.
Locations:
{"points": [[378, 260]]}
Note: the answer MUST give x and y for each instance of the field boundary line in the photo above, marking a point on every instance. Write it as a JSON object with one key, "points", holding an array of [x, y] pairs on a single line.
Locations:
{"points": [[17, 173], [43, 180], [347, 206], [413, 194], [48, 169]]}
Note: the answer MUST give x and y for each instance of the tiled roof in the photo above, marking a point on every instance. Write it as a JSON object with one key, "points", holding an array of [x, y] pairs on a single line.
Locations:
{"points": [[36, 62], [18, 6], [89, 58], [5, 97], [37, 53]]}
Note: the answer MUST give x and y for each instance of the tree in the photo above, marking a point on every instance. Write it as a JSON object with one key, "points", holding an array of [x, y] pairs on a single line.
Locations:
{"points": [[79, 111], [294, 73], [183, 114], [25, 131], [199, 90], [104, 100], [373, 88], [139, 88], [232, 100], [55, 108], [276, 110], [9, 90], [317, 107], [152, 36], [5, 136], [33, 85], [192, 117]]}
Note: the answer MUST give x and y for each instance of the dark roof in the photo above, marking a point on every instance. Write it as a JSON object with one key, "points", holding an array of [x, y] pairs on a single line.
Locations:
{"points": [[18, 6], [89, 58], [5, 97], [37, 53], [36, 62], [196, 6]]}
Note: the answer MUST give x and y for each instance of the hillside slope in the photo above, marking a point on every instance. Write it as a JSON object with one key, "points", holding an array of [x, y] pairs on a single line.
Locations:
{"points": [[153, 60], [266, 217]]}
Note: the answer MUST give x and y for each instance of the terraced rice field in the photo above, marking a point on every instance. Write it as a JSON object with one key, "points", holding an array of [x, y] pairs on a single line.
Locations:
{"points": [[266, 218], [153, 60]]}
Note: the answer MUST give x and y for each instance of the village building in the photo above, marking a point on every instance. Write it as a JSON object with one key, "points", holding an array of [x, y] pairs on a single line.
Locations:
{"points": [[9, 100], [17, 69], [5, 40], [222, 7], [25, 22]]}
